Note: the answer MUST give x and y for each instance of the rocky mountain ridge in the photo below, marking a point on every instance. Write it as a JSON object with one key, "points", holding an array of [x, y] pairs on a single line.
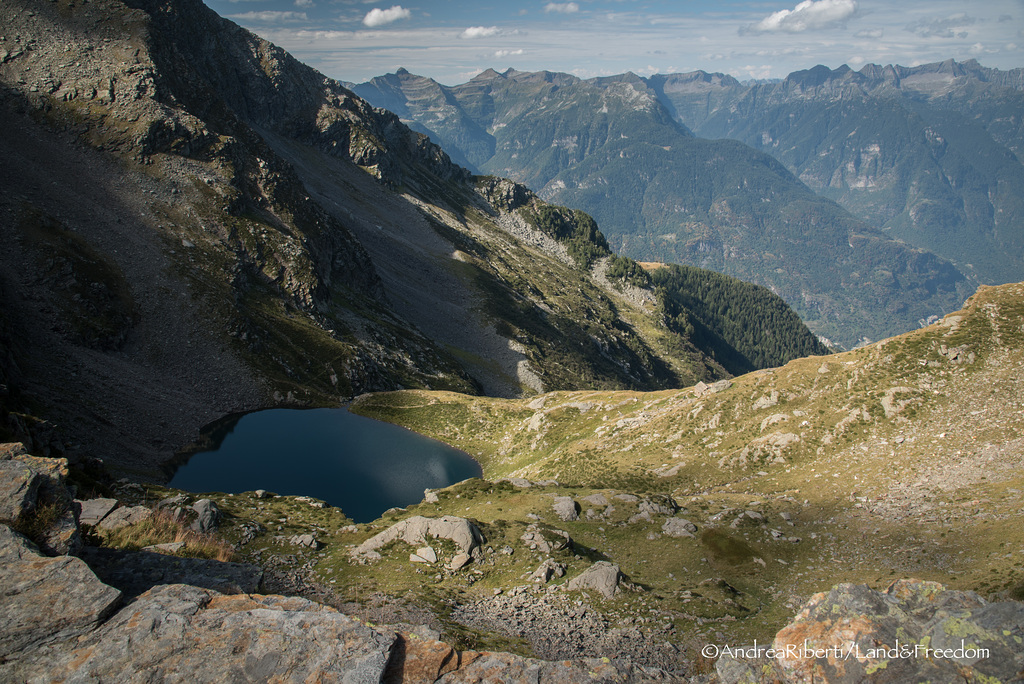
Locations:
{"points": [[930, 153], [611, 147]]}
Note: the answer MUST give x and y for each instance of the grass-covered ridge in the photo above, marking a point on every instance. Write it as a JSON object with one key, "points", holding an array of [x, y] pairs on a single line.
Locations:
{"points": [[823, 401]]}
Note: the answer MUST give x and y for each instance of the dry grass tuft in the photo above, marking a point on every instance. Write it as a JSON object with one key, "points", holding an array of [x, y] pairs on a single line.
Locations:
{"points": [[163, 528]]}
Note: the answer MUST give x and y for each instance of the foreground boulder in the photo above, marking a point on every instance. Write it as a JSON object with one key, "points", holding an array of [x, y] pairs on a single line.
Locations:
{"points": [[914, 631], [180, 628], [45, 599], [602, 577]]}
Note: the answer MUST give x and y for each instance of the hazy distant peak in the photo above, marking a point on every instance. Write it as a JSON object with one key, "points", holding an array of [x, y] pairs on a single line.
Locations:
{"points": [[489, 74]]}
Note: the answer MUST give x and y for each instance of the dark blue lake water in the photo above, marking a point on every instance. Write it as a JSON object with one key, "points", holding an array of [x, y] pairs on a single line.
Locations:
{"points": [[360, 465]]}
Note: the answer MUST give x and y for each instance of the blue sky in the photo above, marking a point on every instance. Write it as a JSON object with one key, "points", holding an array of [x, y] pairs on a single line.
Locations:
{"points": [[451, 40]]}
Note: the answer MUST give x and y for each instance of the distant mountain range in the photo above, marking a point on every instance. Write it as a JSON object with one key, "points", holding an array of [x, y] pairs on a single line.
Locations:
{"points": [[930, 153], [907, 236]]}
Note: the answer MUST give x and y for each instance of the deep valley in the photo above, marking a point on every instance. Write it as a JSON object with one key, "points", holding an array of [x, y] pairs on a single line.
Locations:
{"points": [[194, 225]]}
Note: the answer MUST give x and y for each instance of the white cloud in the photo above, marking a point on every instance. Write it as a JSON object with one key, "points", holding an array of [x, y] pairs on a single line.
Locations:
{"points": [[561, 7], [480, 32], [379, 17], [873, 34], [508, 53], [270, 16], [763, 71], [809, 15], [942, 27], [305, 3]]}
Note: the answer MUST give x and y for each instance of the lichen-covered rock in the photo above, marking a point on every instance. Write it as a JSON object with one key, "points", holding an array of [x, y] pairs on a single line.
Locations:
{"points": [[415, 659], [183, 633], [418, 529], [914, 631], [44, 599], [679, 527], [19, 484], [9, 450], [32, 493], [602, 577], [125, 516]]}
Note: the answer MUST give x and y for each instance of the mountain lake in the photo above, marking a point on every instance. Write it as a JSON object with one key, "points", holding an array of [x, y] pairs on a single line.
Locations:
{"points": [[362, 466]]}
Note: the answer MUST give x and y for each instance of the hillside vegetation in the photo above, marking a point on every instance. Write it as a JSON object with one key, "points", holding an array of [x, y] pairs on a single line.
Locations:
{"points": [[725, 506], [900, 459]]}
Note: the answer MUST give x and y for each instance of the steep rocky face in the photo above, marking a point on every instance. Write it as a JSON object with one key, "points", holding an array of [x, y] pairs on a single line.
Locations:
{"points": [[611, 147], [930, 153], [411, 97]]}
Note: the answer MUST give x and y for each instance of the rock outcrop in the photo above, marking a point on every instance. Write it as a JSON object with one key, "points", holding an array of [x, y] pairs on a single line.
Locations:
{"points": [[256, 638], [565, 508], [419, 529], [207, 516], [913, 631], [33, 495], [679, 527]]}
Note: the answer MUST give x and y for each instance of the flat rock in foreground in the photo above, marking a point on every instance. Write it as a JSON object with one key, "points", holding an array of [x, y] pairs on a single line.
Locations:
{"points": [[206, 636], [45, 599]]}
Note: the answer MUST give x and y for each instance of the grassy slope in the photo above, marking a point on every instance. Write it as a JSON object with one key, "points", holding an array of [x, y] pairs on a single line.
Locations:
{"points": [[931, 490], [907, 464]]}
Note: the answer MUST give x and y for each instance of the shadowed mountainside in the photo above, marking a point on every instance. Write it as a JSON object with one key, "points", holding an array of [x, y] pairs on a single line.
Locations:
{"points": [[196, 224]]}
